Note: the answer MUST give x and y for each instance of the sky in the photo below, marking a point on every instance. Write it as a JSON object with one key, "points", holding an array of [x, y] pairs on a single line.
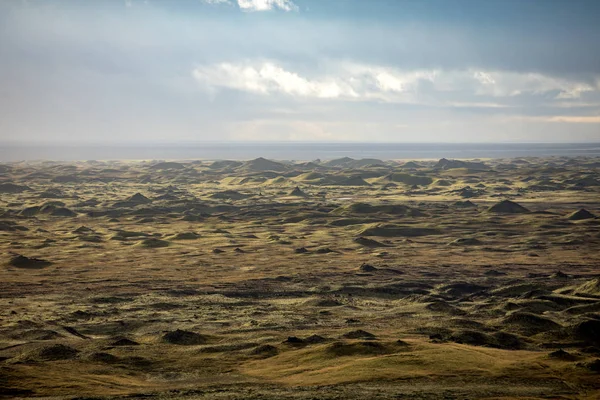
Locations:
{"points": [[181, 71]]}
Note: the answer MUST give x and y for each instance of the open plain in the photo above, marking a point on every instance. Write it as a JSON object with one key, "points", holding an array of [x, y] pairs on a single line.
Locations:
{"points": [[339, 279]]}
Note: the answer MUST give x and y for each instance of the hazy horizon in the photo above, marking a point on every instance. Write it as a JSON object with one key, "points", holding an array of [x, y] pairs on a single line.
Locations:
{"points": [[121, 71], [299, 151]]}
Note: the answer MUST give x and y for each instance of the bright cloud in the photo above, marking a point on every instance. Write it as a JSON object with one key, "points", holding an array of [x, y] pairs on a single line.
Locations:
{"points": [[366, 82], [265, 78], [266, 5]]}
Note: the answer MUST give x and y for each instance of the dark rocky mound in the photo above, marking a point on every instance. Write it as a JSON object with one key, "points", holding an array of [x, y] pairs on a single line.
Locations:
{"points": [[353, 181], [445, 308], [294, 340], [137, 362], [228, 195], [52, 193], [38, 334], [167, 165], [500, 340], [457, 289], [13, 188], [442, 182], [508, 207], [184, 338], [265, 350], [367, 268], [10, 226], [339, 162], [588, 331], [365, 208], [467, 192], [125, 235], [363, 241], [451, 164], [410, 165], [593, 366], [583, 309], [465, 242], [154, 243], [581, 215], [324, 250], [493, 272], [72, 178], [390, 230], [560, 354], [473, 338], [301, 250], [139, 198], [83, 229], [191, 217], [103, 358], [224, 164], [559, 275], [406, 179], [124, 342], [186, 236], [20, 261], [63, 212], [74, 332], [262, 164], [30, 211], [340, 349], [57, 352], [315, 339], [323, 303], [508, 341], [297, 192], [530, 323], [359, 334], [465, 204]]}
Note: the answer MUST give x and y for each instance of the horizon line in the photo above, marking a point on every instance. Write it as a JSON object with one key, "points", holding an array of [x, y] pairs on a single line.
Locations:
{"points": [[258, 143]]}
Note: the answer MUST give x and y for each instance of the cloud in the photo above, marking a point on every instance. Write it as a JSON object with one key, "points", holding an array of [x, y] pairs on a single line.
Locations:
{"points": [[265, 78], [267, 5], [436, 87]]}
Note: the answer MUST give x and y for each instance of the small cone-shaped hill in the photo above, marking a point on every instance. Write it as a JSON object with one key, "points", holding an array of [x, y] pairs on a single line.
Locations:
{"points": [[139, 198], [262, 164], [580, 215], [508, 207], [297, 192]]}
